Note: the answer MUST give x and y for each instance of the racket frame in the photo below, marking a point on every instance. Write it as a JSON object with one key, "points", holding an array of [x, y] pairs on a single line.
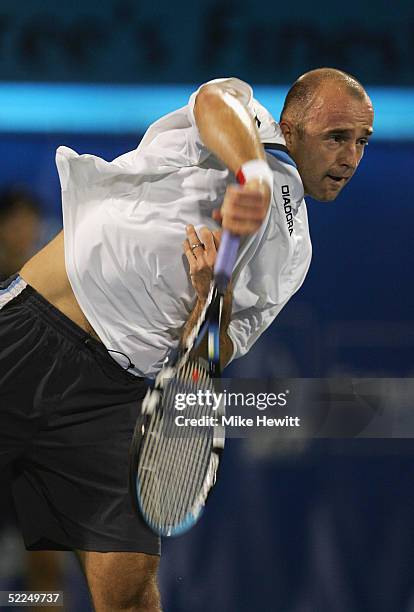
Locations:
{"points": [[208, 323]]}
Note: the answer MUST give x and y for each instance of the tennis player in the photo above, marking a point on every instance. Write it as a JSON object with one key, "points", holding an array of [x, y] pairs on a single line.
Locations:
{"points": [[96, 311]]}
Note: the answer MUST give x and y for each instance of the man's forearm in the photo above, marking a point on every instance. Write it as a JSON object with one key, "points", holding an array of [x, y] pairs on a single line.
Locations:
{"points": [[226, 344], [226, 127]]}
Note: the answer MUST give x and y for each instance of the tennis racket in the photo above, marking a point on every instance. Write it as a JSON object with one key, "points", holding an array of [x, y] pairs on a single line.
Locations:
{"points": [[173, 467]]}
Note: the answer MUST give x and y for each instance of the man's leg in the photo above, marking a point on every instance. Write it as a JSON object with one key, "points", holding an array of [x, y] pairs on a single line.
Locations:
{"points": [[44, 572], [122, 581]]}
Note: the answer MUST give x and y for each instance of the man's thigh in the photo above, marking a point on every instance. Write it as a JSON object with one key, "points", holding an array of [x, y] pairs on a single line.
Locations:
{"points": [[67, 413], [74, 478], [22, 364], [122, 581]]}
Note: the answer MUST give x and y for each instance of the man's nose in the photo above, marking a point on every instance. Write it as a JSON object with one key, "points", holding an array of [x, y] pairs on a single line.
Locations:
{"points": [[348, 155]]}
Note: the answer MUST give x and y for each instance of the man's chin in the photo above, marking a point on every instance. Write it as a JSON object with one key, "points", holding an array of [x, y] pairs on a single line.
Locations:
{"points": [[326, 190], [325, 197]]}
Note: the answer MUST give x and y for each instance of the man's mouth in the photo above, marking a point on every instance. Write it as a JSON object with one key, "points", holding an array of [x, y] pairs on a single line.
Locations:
{"points": [[337, 179]]}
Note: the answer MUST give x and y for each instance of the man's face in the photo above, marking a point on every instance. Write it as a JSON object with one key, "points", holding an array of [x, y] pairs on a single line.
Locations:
{"points": [[330, 145]]}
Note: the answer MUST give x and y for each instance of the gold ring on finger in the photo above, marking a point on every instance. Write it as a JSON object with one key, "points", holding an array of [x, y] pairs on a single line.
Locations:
{"points": [[197, 244]]}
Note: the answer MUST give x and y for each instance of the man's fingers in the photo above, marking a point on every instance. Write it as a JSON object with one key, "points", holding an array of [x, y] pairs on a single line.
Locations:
{"points": [[196, 243], [244, 210], [240, 214], [188, 252], [245, 197], [201, 257], [217, 237], [244, 205], [210, 250], [209, 245], [241, 228], [192, 236], [207, 238]]}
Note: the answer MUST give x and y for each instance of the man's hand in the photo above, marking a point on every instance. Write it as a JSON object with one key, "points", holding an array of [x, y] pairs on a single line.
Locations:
{"points": [[244, 207], [201, 258]]}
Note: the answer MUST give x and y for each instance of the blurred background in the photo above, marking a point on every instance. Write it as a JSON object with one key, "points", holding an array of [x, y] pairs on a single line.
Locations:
{"points": [[326, 526]]}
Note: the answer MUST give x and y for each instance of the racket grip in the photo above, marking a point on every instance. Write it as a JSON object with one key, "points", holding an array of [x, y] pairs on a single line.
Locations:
{"points": [[226, 258]]}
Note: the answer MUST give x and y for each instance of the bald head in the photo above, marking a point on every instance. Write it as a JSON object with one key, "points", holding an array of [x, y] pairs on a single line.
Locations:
{"points": [[326, 123], [303, 92]]}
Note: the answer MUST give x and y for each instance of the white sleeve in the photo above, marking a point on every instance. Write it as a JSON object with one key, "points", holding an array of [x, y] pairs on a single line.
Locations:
{"points": [[234, 86], [248, 325]]}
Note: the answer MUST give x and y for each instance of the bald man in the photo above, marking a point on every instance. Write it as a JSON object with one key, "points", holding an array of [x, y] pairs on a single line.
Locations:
{"points": [[97, 310]]}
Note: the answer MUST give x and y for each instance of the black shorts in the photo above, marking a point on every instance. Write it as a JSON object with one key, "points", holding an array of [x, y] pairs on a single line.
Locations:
{"points": [[67, 413]]}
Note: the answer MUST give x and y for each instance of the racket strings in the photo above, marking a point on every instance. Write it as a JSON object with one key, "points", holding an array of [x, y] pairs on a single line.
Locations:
{"points": [[177, 447], [185, 445], [174, 459], [170, 474], [152, 457]]}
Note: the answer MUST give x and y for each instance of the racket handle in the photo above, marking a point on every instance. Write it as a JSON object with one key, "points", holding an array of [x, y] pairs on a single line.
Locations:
{"points": [[226, 258]]}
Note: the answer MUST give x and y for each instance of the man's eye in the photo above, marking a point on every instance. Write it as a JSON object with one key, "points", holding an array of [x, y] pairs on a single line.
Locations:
{"points": [[363, 142], [337, 137]]}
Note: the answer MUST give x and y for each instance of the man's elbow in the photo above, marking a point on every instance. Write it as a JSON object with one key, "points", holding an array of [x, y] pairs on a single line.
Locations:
{"points": [[209, 99]]}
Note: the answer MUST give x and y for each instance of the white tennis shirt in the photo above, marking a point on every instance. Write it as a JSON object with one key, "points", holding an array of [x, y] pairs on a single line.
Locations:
{"points": [[124, 224]]}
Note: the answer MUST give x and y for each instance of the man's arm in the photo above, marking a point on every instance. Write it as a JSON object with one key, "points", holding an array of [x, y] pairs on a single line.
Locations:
{"points": [[201, 261], [226, 127], [228, 130], [226, 345]]}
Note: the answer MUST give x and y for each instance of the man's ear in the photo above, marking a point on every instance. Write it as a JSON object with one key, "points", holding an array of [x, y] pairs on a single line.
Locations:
{"points": [[287, 130]]}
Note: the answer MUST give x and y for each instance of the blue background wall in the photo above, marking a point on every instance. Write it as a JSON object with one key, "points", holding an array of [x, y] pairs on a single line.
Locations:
{"points": [[120, 41]]}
